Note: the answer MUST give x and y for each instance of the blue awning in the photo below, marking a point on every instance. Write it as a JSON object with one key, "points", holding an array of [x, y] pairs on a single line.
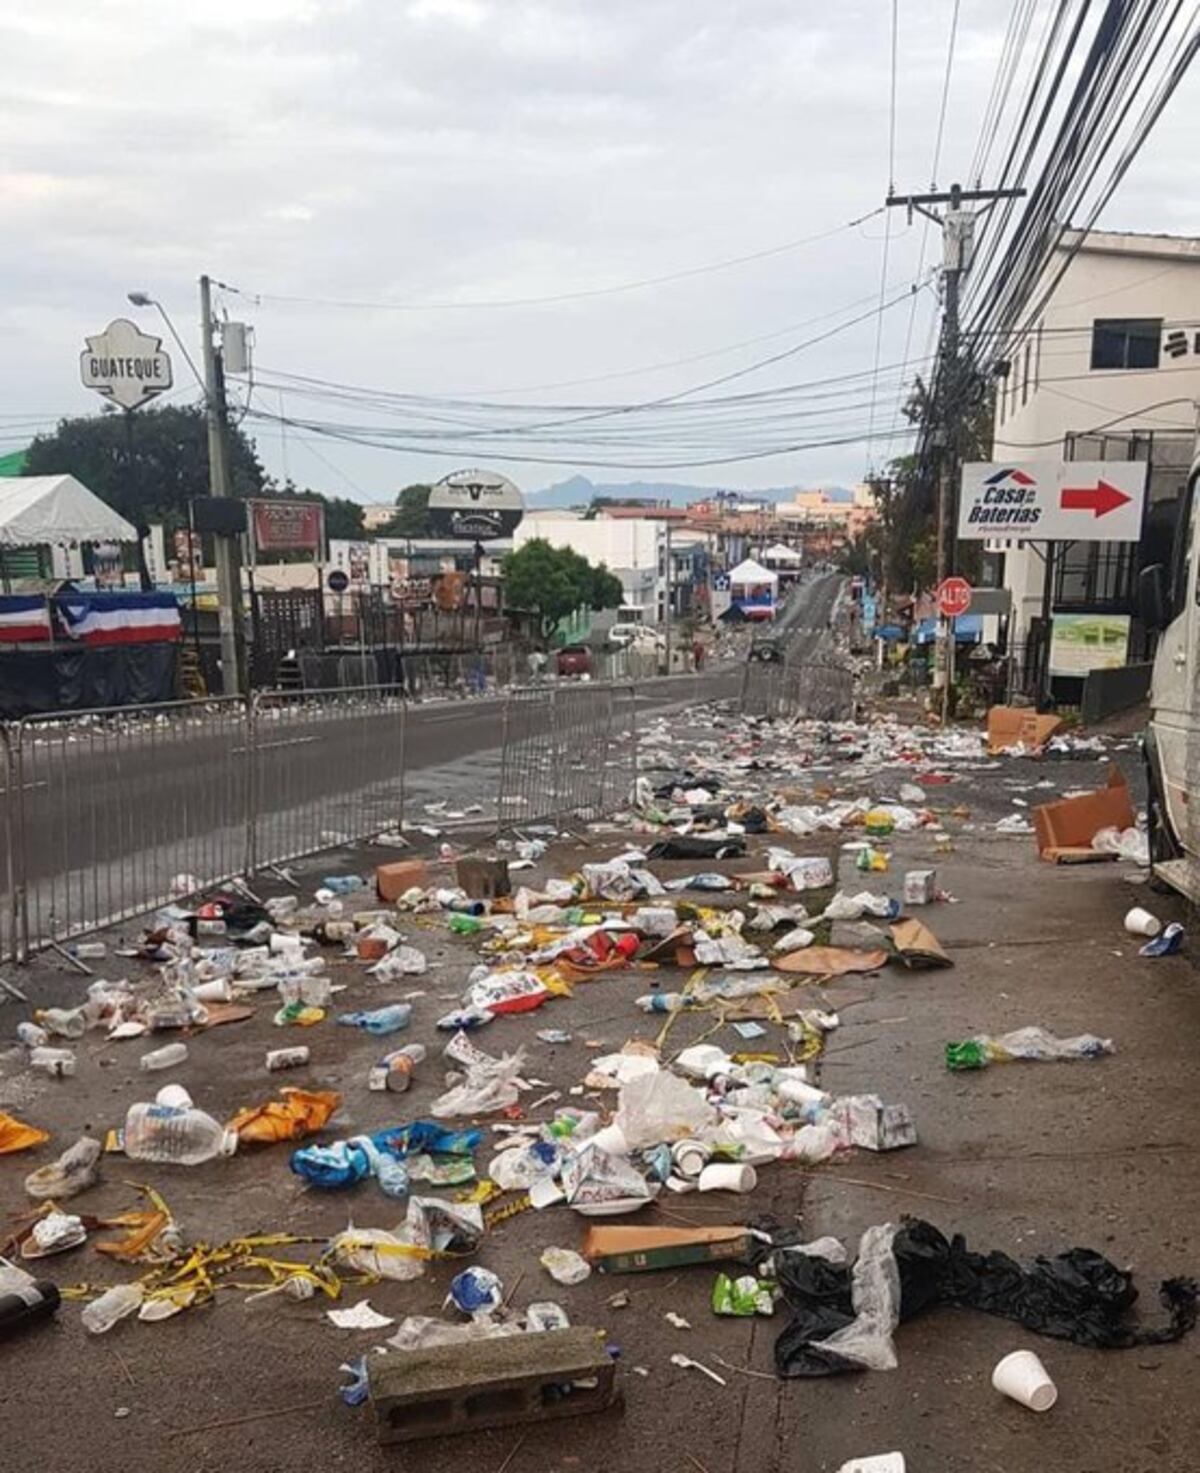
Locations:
{"points": [[968, 629]]}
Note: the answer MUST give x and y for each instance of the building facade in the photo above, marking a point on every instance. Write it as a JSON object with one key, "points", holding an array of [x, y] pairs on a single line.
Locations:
{"points": [[1109, 371]]}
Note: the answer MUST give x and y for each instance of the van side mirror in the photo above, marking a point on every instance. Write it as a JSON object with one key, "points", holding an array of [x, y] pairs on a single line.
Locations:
{"points": [[1152, 597]]}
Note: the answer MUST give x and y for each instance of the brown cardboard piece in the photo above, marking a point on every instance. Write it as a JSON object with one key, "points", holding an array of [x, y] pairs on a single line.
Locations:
{"points": [[633, 1250], [1065, 829], [1010, 726]]}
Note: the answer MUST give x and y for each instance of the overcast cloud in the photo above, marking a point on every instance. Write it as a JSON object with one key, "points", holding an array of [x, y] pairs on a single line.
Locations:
{"points": [[465, 150]]}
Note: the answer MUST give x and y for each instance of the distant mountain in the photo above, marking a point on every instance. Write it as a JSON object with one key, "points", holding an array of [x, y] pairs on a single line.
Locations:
{"points": [[579, 491]]}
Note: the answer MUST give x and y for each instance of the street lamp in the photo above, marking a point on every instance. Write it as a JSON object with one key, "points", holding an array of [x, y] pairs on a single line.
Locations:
{"points": [[144, 299]]}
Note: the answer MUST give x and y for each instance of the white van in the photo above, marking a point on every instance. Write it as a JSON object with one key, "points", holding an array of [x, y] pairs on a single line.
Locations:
{"points": [[1169, 599]]}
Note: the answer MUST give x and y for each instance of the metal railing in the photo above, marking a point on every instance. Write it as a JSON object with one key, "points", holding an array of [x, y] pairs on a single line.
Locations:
{"points": [[107, 814], [820, 690]]}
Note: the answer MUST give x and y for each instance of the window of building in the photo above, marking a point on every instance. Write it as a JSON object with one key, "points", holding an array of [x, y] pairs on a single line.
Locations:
{"points": [[1126, 342]]}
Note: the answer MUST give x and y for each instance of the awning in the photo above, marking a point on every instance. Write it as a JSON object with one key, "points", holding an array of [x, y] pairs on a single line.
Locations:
{"points": [[57, 510], [968, 628]]}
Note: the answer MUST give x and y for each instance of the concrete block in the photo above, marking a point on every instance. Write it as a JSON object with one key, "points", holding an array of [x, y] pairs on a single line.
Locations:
{"points": [[392, 880], [489, 1383], [483, 878]]}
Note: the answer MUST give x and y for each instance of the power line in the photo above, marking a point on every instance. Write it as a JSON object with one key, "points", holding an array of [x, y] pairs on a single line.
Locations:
{"points": [[488, 304]]}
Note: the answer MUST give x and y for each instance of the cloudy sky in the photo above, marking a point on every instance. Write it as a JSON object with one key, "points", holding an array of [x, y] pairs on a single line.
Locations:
{"points": [[347, 163]]}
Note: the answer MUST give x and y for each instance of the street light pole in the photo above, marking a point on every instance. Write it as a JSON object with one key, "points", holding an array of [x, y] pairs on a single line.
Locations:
{"points": [[227, 550]]}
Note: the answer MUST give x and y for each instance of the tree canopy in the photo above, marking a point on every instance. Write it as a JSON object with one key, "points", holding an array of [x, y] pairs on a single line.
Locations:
{"points": [[412, 514], [552, 582], [170, 466], [170, 446]]}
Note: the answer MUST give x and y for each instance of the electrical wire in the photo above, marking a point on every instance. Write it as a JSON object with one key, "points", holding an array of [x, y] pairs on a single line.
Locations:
{"points": [[488, 304]]}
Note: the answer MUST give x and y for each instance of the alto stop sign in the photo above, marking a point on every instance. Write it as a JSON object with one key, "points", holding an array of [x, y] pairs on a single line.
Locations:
{"points": [[954, 597]]}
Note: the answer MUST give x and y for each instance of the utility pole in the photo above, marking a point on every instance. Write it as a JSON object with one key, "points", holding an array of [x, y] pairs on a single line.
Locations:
{"points": [[958, 237], [227, 547], [670, 595]]}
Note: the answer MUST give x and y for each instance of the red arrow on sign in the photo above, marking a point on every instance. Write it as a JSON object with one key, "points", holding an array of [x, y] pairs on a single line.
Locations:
{"points": [[1099, 499]]}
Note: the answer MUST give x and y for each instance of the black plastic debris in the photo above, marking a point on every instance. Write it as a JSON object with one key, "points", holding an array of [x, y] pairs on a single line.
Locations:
{"points": [[1077, 1295], [691, 846]]}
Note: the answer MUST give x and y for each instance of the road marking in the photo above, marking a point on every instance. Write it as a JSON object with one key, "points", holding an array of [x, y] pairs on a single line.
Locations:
{"points": [[270, 746]]}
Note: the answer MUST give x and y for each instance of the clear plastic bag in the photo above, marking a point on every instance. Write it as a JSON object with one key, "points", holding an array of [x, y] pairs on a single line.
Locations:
{"points": [[662, 1107], [490, 1085], [875, 1295]]}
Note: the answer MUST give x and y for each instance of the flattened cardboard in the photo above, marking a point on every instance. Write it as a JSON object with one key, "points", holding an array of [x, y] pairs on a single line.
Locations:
{"points": [[631, 1250], [1072, 823], [916, 945], [1011, 726], [829, 961]]}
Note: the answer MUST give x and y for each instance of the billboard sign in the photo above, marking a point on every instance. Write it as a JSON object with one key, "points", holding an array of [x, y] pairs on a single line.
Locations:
{"points": [[125, 364], [1053, 501], [288, 526], [1083, 642], [475, 504]]}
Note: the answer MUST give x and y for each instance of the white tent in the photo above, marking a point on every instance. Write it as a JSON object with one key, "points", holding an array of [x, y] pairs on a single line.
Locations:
{"points": [[58, 511], [751, 572], [778, 552]]}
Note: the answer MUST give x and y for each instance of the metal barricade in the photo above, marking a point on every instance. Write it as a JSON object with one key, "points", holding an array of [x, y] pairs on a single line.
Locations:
{"points": [[107, 809], [328, 769], [814, 689]]}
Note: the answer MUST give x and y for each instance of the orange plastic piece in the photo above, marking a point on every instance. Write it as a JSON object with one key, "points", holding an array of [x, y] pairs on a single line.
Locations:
{"points": [[15, 1135], [301, 1112]]}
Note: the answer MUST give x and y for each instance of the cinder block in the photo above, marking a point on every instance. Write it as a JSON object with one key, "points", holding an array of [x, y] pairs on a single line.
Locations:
{"points": [[392, 880], [490, 1383], [483, 878]]}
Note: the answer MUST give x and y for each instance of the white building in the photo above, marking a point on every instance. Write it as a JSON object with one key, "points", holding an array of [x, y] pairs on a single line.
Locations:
{"points": [[633, 549], [1110, 371]]}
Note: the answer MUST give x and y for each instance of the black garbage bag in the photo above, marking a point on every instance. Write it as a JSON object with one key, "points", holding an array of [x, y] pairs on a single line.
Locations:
{"points": [[1077, 1295], [684, 779], [240, 915], [694, 846]]}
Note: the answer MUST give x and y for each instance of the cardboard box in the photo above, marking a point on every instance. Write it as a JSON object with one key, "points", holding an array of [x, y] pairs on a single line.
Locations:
{"points": [[392, 880], [1011, 726], [875, 1126], [631, 1250], [1065, 829]]}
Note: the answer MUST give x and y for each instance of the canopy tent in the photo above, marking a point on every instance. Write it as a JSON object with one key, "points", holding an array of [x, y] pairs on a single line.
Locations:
{"points": [[58, 511], [752, 573], [779, 552]]}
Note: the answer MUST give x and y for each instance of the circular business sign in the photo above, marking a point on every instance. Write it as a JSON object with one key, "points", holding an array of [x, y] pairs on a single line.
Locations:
{"points": [[338, 580], [475, 504], [953, 597]]}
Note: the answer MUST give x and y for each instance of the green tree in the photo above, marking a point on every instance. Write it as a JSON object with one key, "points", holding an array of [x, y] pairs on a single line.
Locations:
{"points": [[412, 514], [170, 461], [552, 582]]}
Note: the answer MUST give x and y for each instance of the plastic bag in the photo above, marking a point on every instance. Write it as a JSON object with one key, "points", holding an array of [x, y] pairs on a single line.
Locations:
{"points": [[565, 1266], [661, 1107], [1028, 1044], [431, 1227], [490, 1085], [1077, 1296], [875, 1296], [743, 1296], [1130, 844]]}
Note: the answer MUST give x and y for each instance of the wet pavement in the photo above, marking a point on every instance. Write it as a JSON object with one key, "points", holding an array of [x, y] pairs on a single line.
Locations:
{"points": [[1027, 1158]]}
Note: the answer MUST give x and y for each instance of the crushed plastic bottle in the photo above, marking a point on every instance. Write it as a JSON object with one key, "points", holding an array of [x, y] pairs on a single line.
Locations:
{"points": [[164, 1058], [114, 1304], [380, 1021], [464, 925], [62, 1022], [1026, 1044], [665, 1002], [288, 1058], [175, 1136]]}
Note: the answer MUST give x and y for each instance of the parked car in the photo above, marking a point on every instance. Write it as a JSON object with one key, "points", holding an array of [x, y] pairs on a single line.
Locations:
{"points": [[574, 659], [620, 636]]}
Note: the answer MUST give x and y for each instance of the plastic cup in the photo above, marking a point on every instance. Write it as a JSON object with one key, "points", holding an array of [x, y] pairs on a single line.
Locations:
{"points": [[728, 1176], [1140, 922], [611, 1139], [219, 990], [690, 1158], [1022, 1377]]}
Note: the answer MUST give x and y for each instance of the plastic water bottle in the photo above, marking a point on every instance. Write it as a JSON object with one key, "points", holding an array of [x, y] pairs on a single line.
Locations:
{"points": [[32, 1036], [342, 884], [62, 1022], [664, 1002], [175, 1136], [395, 1070], [381, 1020], [59, 1062], [114, 1304], [164, 1058]]}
